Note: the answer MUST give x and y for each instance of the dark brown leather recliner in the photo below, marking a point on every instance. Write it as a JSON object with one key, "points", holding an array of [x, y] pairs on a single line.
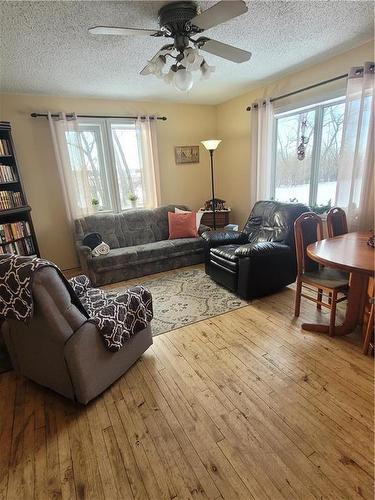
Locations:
{"points": [[260, 259]]}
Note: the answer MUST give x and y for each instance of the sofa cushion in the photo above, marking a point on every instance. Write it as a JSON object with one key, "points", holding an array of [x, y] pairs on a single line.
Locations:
{"points": [[104, 224], [115, 258], [225, 252], [129, 228], [150, 252], [138, 227], [225, 256], [184, 246]]}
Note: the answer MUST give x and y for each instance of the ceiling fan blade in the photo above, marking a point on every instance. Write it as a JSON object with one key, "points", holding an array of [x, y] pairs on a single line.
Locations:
{"points": [[219, 13], [225, 51], [113, 30]]}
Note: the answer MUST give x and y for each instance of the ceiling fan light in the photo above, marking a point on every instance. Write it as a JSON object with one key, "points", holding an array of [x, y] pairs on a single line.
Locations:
{"points": [[159, 64], [192, 59], [183, 80], [149, 69], [206, 70], [168, 78]]}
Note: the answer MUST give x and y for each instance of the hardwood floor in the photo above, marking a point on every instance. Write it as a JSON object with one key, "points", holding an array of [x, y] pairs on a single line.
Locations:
{"points": [[244, 405]]}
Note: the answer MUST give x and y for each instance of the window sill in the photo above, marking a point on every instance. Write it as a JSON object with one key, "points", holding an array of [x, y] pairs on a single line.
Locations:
{"points": [[120, 211]]}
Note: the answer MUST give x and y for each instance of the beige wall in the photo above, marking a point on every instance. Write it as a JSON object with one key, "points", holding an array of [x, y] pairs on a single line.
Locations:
{"points": [[186, 184], [186, 125], [233, 123]]}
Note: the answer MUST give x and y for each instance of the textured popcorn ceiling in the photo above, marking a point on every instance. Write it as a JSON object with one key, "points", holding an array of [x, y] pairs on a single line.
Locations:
{"points": [[46, 49]]}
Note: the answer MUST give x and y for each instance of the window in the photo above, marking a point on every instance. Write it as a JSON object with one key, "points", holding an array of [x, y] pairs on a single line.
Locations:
{"points": [[313, 179], [127, 161], [111, 152]]}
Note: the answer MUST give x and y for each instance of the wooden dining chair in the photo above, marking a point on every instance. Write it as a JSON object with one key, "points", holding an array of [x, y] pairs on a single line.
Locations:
{"points": [[320, 282], [336, 222], [368, 341]]}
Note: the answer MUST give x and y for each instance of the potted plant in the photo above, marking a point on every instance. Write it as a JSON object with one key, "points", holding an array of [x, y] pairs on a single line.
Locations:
{"points": [[322, 209], [95, 204], [132, 197]]}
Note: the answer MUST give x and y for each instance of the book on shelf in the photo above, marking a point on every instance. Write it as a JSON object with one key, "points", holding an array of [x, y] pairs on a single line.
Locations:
{"points": [[4, 148], [21, 247], [13, 231], [10, 199], [7, 173], [17, 235]]}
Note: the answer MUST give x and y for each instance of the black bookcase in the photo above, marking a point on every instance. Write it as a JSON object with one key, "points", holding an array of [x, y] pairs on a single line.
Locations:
{"points": [[17, 234]]}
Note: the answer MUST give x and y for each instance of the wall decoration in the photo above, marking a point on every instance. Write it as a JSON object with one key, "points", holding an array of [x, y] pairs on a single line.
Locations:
{"points": [[301, 149], [186, 154], [219, 204]]}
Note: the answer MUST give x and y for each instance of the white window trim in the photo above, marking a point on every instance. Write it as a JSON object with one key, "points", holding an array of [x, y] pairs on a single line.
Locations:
{"points": [[315, 154], [109, 157]]}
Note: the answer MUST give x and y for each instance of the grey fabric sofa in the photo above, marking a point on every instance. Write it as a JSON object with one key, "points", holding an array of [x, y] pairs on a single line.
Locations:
{"points": [[139, 245], [61, 350]]}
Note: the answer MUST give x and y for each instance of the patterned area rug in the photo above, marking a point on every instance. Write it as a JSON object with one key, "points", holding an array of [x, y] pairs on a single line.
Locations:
{"points": [[180, 298], [187, 296]]}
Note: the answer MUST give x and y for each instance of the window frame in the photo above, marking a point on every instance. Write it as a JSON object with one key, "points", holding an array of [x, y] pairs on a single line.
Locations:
{"points": [[316, 149], [108, 155]]}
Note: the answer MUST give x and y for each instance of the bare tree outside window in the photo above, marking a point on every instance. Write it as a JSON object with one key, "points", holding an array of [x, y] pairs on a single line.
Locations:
{"points": [[292, 175], [333, 119], [108, 155], [128, 167], [313, 179], [89, 143]]}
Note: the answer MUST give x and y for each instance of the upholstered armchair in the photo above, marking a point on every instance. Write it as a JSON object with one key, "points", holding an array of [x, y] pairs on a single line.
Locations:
{"points": [[62, 347], [260, 259]]}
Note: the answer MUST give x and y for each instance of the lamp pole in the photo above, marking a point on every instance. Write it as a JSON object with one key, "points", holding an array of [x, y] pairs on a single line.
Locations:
{"points": [[211, 145], [213, 187]]}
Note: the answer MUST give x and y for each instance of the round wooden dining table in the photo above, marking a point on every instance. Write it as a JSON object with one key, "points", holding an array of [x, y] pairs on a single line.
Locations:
{"points": [[348, 252]]}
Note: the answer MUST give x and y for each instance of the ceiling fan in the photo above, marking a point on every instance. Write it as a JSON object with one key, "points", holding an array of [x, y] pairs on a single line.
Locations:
{"points": [[182, 21]]}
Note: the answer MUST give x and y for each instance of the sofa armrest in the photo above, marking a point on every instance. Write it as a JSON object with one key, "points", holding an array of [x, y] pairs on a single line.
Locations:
{"points": [[203, 229], [218, 238], [85, 259], [92, 368], [262, 249], [84, 251]]}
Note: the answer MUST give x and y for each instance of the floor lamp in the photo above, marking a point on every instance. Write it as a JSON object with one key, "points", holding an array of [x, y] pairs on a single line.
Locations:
{"points": [[211, 145]]}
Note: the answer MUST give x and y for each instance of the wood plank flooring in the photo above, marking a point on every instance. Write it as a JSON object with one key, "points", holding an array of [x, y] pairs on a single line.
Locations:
{"points": [[244, 405]]}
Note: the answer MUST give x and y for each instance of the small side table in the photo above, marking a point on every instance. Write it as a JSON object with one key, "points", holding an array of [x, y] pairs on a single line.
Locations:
{"points": [[221, 216]]}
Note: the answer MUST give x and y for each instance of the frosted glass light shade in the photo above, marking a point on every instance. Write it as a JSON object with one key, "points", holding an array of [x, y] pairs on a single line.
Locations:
{"points": [[169, 77], [211, 144], [193, 59], [183, 80]]}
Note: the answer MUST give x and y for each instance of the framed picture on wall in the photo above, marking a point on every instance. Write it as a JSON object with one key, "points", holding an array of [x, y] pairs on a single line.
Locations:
{"points": [[186, 154]]}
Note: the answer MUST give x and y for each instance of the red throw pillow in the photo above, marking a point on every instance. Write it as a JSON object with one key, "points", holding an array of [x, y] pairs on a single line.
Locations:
{"points": [[182, 225]]}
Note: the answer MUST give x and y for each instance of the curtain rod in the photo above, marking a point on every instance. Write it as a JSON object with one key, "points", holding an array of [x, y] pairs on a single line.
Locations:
{"points": [[273, 99], [70, 115]]}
